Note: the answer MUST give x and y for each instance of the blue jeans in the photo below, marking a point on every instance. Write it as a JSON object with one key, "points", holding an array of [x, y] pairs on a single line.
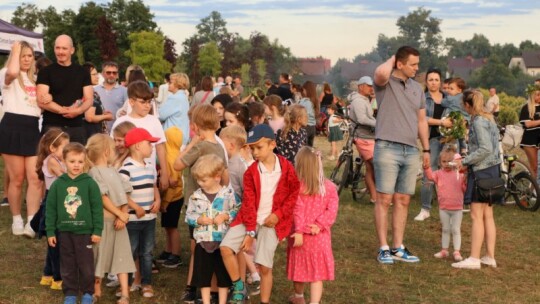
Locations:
{"points": [[396, 166], [426, 191], [142, 238], [52, 261]]}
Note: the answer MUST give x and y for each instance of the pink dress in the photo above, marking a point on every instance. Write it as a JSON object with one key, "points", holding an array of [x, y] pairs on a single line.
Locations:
{"points": [[314, 260]]}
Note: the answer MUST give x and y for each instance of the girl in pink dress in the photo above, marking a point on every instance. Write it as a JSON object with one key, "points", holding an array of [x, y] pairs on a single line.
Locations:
{"points": [[309, 254]]}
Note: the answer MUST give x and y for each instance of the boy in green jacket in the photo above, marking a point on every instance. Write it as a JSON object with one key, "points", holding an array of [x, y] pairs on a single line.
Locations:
{"points": [[74, 213]]}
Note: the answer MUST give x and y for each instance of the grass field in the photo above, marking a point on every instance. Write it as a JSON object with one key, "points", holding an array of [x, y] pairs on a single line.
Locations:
{"points": [[359, 278]]}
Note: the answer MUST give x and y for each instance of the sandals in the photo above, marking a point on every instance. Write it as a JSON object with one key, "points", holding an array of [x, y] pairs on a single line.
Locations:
{"points": [[123, 300], [147, 291]]}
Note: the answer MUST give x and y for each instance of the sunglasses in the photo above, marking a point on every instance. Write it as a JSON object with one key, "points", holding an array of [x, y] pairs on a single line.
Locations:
{"points": [[111, 72]]}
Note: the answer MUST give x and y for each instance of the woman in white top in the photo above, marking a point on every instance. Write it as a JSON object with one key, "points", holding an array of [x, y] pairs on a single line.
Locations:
{"points": [[19, 133]]}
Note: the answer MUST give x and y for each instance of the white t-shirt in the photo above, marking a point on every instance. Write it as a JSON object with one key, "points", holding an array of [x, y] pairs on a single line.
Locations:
{"points": [[269, 182], [152, 125], [18, 100]]}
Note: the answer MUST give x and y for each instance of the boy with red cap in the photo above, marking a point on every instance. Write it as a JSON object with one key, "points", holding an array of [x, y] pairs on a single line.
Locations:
{"points": [[144, 203]]}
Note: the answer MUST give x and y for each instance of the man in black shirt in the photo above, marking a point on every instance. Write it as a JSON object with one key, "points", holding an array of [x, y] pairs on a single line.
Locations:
{"points": [[284, 89], [71, 89]]}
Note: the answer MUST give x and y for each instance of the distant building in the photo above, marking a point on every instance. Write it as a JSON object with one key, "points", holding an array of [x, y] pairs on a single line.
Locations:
{"points": [[313, 69], [464, 67], [352, 71], [529, 63]]}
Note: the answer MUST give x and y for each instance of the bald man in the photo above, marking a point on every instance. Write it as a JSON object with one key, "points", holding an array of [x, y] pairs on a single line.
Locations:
{"points": [[71, 89]]}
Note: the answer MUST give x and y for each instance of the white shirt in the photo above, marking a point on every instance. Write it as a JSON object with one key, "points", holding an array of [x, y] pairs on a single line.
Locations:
{"points": [[269, 182], [152, 125], [17, 99]]}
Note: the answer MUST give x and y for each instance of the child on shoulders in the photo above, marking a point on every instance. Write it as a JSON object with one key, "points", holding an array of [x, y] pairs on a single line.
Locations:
{"points": [[270, 193], [211, 209]]}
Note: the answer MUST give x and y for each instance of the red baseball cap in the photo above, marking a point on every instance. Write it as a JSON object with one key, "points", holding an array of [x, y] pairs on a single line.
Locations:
{"points": [[137, 135]]}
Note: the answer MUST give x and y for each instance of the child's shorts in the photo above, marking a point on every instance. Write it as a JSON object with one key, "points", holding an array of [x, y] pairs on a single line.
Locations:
{"points": [[170, 218], [267, 242], [205, 264]]}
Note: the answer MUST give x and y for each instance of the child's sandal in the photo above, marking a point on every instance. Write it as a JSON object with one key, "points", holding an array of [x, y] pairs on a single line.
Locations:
{"points": [[123, 300]]}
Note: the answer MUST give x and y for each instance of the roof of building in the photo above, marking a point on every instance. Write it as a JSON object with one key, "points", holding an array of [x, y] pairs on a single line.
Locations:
{"points": [[464, 67], [314, 66], [531, 59], [353, 71]]}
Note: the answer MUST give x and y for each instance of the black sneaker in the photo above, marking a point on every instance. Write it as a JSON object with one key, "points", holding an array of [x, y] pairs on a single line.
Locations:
{"points": [[4, 202], [173, 261], [164, 256], [189, 296]]}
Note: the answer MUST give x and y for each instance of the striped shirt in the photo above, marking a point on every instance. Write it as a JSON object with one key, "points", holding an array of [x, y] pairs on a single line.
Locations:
{"points": [[143, 179]]}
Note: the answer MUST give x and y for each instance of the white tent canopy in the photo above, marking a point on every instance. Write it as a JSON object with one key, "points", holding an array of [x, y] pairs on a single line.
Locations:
{"points": [[9, 33]]}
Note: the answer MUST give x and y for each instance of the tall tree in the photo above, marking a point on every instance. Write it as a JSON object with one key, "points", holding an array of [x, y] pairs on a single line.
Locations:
{"points": [[190, 57], [210, 59], [84, 29], [146, 50], [107, 39], [169, 50], [26, 16], [128, 17], [212, 28]]}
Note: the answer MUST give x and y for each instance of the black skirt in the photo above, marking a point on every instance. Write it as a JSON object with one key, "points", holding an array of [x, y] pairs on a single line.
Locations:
{"points": [[19, 134]]}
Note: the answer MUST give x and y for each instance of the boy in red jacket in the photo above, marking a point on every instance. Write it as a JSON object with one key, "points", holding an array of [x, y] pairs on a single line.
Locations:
{"points": [[270, 192]]}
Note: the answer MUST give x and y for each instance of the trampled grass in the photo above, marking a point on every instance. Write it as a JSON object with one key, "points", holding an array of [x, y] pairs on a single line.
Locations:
{"points": [[359, 278]]}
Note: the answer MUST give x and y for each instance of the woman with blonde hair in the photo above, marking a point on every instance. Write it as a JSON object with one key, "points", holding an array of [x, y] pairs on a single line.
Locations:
{"points": [[483, 162], [530, 120], [19, 133], [173, 112]]}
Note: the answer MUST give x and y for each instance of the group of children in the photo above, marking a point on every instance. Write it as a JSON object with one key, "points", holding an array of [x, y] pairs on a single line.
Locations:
{"points": [[243, 199]]}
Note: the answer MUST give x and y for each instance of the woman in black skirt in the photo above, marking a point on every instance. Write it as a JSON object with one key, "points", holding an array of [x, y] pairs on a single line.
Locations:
{"points": [[19, 134]]}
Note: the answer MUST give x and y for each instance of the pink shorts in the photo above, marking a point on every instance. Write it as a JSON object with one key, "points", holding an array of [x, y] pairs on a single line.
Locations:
{"points": [[365, 148]]}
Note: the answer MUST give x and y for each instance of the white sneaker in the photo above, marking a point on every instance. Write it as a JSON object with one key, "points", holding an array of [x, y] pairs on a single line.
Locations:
{"points": [[488, 261], [28, 231], [468, 263], [17, 228], [424, 214]]}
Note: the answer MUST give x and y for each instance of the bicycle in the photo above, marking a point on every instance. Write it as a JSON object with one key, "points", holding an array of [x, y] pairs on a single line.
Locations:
{"points": [[520, 185], [350, 171]]}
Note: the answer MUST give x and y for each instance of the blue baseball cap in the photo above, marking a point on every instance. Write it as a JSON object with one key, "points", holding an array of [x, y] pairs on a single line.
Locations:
{"points": [[365, 80], [259, 132]]}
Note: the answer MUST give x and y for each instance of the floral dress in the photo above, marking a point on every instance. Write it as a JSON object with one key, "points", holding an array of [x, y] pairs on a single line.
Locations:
{"points": [[289, 146]]}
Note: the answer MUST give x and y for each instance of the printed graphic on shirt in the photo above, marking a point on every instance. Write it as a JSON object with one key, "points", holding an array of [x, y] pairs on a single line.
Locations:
{"points": [[72, 202]]}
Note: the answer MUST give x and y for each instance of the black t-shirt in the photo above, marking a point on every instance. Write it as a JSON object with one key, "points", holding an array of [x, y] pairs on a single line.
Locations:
{"points": [[66, 85], [327, 100], [437, 114], [284, 91]]}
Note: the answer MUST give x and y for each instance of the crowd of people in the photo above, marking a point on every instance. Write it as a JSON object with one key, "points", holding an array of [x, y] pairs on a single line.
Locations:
{"points": [[103, 159]]}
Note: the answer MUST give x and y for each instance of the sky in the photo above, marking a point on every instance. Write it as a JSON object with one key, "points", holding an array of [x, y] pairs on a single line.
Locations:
{"points": [[334, 28]]}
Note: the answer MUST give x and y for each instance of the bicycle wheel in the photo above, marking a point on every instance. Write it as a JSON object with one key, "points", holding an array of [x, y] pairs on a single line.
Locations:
{"points": [[525, 191], [340, 174], [358, 185]]}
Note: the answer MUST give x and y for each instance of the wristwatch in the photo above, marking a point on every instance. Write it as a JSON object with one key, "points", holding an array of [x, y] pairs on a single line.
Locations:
{"points": [[426, 151], [251, 233]]}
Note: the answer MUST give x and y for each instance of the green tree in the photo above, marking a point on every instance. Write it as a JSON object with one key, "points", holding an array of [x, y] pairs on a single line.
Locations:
{"points": [[210, 59], [372, 56], [26, 16], [212, 28], [245, 72], [260, 67], [55, 24], [146, 50], [128, 17], [84, 30], [477, 47]]}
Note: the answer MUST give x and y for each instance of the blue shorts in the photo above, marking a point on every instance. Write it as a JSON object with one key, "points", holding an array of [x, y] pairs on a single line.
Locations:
{"points": [[396, 167]]}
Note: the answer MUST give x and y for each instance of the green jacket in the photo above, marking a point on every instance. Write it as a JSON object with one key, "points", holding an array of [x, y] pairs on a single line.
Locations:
{"points": [[74, 205]]}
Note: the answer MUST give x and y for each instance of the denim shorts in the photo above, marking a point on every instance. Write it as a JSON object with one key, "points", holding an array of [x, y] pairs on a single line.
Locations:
{"points": [[396, 166]]}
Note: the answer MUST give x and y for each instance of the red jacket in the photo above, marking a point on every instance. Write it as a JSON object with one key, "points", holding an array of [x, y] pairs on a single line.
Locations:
{"points": [[284, 198]]}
